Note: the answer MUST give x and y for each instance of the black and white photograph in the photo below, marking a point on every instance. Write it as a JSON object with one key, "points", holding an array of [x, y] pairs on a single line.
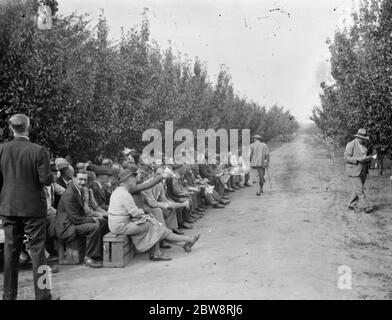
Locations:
{"points": [[209, 151]]}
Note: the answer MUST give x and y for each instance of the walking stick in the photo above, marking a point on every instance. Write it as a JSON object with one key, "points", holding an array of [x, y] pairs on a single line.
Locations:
{"points": [[269, 178]]}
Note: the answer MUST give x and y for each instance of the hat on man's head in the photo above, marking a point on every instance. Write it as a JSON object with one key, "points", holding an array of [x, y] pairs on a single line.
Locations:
{"points": [[126, 173], [61, 163], [82, 166], [362, 134], [102, 171], [176, 166], [256, 136]]}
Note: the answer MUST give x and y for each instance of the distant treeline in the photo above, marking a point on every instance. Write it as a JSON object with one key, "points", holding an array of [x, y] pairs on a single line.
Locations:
{"points": [[89, 98]]}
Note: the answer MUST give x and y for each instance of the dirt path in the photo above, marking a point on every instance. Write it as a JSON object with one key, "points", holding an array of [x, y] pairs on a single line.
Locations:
{"points": [[287, 244]]}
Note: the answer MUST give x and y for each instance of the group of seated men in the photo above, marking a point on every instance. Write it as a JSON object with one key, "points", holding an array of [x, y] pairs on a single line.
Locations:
{"points": [[79, 199]]}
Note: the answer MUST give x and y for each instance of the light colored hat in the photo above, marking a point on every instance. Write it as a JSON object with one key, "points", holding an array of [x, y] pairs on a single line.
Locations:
{"points": [[82, 166], [61, 163], [257, 136], [362, 134], [126, 173]]}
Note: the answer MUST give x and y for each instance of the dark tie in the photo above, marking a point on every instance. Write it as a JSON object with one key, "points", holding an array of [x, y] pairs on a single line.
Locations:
{"points": [[82, 195]]}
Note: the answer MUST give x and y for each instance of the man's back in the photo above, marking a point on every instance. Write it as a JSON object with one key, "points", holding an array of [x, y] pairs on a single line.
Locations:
{"points": [[24, 169], [259, 154]]}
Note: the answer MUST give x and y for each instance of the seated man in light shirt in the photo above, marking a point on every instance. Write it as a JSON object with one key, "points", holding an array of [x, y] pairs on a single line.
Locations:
{"points": [[125, 218]]}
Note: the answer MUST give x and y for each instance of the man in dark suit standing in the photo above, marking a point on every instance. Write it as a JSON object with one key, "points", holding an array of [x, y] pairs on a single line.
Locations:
{"points": [[24, 171]]}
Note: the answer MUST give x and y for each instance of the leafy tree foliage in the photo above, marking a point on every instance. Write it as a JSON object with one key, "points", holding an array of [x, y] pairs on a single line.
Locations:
{"points": [[362, 69], [89, 98]]}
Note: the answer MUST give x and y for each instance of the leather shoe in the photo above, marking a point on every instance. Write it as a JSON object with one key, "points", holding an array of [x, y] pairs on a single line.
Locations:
{"points": [[92, 263], [52, 259], [185, 226], [161, 257], [194, 217], [176, 231], [54, 268], [188, 246], [164, 245], [218, 206]]}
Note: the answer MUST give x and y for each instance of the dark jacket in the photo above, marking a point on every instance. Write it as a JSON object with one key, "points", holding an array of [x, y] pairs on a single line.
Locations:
{"points": [[176, 189], [206, 171], [61, 182], [24, 170], [57, 197], [70, 213], [101, 196]]}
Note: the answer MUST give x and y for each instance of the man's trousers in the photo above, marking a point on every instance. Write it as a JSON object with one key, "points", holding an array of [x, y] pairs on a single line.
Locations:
{"points": [[14, 229], [91, 232], [358, 198]]}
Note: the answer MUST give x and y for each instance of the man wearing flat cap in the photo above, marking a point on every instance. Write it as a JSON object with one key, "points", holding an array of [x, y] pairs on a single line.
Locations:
{"points": [[357, 161], [259, 161]]}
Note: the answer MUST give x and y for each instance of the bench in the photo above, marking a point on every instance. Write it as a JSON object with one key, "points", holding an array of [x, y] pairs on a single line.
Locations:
{"points": [[118, 250]]}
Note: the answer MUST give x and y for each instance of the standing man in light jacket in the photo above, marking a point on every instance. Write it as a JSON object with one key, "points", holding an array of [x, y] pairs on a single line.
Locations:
{"points": [[356, 159], [24, 171], [259, 161]]}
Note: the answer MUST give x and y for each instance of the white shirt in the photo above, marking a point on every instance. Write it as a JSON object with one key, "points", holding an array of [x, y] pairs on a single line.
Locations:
{"points": [[122, 204]]}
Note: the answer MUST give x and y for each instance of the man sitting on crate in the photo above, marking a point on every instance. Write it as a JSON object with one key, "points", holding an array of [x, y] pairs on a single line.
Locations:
{"points": [[72, 221]]}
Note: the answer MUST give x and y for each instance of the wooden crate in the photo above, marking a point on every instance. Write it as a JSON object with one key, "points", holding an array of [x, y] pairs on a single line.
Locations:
{"points": [[117, 250], [70, 252]]}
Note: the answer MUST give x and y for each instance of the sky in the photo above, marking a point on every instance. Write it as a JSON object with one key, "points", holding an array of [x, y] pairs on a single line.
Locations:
{"points": [[275, 50]]}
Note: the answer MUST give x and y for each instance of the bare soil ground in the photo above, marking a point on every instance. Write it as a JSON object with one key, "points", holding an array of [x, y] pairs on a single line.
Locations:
{"points": [[286, 244]]}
